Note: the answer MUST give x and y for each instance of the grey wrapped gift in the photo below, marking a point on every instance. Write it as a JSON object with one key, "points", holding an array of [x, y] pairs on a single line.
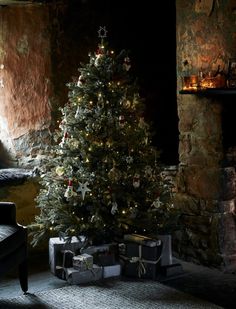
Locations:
{"points": [[74, 276], [103, 255], [57, 245], [83, 262], [111, 271]]}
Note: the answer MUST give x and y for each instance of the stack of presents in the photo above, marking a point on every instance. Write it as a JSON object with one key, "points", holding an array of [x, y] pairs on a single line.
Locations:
{"points": [[136, 256]]}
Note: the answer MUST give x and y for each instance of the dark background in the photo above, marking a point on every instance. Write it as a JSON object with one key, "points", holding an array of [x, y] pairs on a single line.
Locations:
{"points": [[148, 30]]}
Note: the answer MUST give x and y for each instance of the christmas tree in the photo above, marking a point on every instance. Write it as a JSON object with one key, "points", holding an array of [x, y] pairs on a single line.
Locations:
{"points": [[102, 178]]}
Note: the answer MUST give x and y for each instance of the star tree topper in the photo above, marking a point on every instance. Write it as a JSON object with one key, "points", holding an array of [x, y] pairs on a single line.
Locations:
{"points": [[102, 32], [83, 188]]}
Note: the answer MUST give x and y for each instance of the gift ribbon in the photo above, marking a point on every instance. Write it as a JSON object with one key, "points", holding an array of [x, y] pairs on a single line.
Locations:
{"points": [[64, 261], [138, 259]]}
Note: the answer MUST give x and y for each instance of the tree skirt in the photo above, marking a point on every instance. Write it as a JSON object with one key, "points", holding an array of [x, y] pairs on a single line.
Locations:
{"points": [[109, 295]]}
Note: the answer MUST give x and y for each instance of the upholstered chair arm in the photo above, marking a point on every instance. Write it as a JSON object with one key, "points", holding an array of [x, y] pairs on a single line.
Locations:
{"points": [[7, 213]]}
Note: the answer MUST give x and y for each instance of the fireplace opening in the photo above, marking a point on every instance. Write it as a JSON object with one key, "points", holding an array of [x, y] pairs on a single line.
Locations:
{"points": [[229, 131]]}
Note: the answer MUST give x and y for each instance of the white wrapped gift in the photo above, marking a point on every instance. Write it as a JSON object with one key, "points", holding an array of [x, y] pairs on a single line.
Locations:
{"points": [[57, 245], [111, 271]]}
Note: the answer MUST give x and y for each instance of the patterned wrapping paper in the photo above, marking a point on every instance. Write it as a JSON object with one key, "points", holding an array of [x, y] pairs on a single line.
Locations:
{"points": [[83, 262]]}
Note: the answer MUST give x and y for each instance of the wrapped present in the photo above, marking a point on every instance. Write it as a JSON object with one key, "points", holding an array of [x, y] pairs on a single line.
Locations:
{"points": [[141, 261], [166, 257], [65, 260], [147, 253], [83, 262], [57, 245], [74, 276], [112, 247], [111, 271], [142, 240], [103, 255]]}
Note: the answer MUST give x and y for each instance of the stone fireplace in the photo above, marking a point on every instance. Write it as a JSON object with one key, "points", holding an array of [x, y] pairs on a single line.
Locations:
{"points": [[206, 184], [206, 176]]}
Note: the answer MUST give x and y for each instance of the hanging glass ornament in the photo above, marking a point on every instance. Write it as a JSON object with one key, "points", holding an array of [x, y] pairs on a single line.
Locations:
{"points": [[60, 170], [114, 208], [148, 172], [127, 64], [121, 121], [69, 190], [136, 181], [81, 81]]}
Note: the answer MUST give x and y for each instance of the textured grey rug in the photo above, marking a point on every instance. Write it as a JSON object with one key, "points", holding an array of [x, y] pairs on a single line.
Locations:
{"points": [[109, 295]]}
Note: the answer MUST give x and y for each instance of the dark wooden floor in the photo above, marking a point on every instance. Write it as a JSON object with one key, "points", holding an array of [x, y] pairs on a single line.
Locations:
{"points": [[206, 283]]}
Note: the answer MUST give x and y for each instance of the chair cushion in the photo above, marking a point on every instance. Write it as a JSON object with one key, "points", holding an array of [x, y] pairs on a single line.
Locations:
{"points": [[11, 238]]}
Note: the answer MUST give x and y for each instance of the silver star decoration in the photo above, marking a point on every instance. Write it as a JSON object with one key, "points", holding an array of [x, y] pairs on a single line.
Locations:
{"points": [[102, 32], [83, 188]]}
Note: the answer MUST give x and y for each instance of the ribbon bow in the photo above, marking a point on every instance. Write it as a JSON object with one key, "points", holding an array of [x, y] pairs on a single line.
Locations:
{"points": [[140, 261]]}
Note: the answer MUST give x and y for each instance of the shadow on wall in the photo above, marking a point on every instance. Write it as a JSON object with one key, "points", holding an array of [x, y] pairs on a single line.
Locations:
{"points": [[4, 157]]}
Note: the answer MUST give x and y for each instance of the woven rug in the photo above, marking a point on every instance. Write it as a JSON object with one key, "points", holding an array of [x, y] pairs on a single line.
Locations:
{"points": [[108, 295]]}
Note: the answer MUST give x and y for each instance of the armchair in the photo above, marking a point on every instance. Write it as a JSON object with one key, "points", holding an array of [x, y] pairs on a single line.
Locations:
{"points": [[13, 244]]}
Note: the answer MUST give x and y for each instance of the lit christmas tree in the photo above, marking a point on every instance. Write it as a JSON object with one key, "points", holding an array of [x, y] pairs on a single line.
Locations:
{"points": [[102, 178]]}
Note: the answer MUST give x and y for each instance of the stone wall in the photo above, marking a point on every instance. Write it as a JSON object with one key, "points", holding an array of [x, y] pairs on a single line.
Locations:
{"points": [[38, 56], [26, 76], [206, 184]]}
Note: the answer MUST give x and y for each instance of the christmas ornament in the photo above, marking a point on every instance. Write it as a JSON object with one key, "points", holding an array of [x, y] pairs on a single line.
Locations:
{"points": [[127, 104], [60, 170], [83, 189], [136, 181], [121, 121], [157, 203], [98, 60], [69, 191], [133, 212], [129, 159], [127, 64], [114, 174], [114, 208], [142, 124], [81, 81], [73, 143], [148, 172]]}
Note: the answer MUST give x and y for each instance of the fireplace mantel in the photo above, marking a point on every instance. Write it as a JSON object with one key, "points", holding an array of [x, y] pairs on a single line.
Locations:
{"points": [[210, 91]]}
